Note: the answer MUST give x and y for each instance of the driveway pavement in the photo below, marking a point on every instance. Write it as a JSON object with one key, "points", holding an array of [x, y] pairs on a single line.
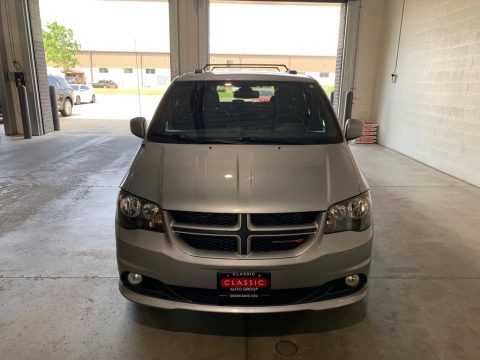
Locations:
{"points": [[118, 107]]}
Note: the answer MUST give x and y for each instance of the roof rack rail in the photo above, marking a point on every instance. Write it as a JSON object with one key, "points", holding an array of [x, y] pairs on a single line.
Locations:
{"points": [[211, 67]]}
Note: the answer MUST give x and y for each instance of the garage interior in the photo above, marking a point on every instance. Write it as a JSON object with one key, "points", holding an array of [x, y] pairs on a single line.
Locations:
{"points": [[414, 69]]}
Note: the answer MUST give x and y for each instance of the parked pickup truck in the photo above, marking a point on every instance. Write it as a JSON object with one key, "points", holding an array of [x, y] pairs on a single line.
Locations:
{"points": [[106, 84]]}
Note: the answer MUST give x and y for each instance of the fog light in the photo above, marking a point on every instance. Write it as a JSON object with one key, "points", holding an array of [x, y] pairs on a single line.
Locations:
{"points": [[134, 279], [352, 280]]}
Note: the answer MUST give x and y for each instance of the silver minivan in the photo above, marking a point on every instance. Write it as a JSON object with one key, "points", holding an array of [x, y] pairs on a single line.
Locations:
{"points": [[244, 197]]}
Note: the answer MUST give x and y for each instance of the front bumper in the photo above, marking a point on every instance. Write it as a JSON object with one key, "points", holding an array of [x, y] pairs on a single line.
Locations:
{"points": [[331, 257], [176, 305]]}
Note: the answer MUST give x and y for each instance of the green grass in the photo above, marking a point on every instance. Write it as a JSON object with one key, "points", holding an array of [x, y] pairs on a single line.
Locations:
{"points": [[328, 89], [157, 92]]}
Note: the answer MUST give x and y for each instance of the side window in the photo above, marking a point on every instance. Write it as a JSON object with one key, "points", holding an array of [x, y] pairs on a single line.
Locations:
{"points": [[62, 83], [179, 113], [84, 88]]}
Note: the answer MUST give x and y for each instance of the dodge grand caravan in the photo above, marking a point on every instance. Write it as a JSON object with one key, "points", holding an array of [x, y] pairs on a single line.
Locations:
{"points": [[244, 197]]}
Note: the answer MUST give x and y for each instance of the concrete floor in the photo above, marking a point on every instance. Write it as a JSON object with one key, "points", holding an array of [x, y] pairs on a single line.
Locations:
{"points": [[58, 280]]}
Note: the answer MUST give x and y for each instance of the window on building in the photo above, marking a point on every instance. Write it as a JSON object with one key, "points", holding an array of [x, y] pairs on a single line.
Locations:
{"points": [[229, 62], [103, 70], [324, 75], [128, 71], [150, 71]]}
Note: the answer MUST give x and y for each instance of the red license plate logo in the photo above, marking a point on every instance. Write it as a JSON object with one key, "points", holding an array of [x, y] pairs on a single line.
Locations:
{"points": [[243, 282]]}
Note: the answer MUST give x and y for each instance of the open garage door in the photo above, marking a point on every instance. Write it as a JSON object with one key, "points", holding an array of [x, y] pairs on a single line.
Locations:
{"points": [[315, 37], [123, 63]]}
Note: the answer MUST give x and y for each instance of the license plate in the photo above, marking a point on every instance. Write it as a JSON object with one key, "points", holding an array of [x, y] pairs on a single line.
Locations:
{"points": [[243, 287]]}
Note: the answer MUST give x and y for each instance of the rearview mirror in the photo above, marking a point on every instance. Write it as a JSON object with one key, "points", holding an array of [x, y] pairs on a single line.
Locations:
{"points": [[138, 126], [353, 129]]}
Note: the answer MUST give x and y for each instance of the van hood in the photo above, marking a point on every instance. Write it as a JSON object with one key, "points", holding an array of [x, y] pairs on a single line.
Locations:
{"points": [[244, 178]]}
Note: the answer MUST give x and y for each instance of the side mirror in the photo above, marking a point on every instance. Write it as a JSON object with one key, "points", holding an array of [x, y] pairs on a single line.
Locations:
{"points": [[138, 126], [353, 129]]}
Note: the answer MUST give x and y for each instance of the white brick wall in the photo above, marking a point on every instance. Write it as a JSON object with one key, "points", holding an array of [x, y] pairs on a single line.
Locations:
{"points": [[432, 113], [369, 34]]}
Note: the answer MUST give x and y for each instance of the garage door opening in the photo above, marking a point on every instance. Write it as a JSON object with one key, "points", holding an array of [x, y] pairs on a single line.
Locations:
{"points": [[123, 64], [302, 36]]}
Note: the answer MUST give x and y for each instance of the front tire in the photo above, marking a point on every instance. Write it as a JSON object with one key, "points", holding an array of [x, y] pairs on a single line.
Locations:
{"points": [[78, 101], [67, 108], [93, 99]]}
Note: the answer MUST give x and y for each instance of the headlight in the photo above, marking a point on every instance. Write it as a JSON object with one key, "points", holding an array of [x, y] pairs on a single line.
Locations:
{"points": [[137, 213], [350, 215]]}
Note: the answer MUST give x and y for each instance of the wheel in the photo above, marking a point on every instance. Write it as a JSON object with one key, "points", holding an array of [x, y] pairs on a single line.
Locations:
{"points": [[93, 99], [78, 101], [105, 86], [67, 108]]}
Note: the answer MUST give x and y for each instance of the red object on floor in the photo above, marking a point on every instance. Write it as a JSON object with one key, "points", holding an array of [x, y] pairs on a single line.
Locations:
{"points": [[369, 135]]}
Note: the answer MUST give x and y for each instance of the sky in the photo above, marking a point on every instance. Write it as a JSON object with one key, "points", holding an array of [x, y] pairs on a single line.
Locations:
{"points": [[234, 28]]}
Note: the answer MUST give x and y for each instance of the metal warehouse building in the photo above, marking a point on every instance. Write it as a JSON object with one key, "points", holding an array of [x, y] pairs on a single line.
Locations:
{"points": [[154, 68]]}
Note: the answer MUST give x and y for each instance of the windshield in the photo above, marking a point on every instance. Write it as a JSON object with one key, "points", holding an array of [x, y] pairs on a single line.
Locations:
{"points": [[245, 112]]}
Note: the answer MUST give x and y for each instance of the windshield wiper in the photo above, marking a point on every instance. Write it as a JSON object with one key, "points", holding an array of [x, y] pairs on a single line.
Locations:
{"points": [[258, 140], [184, 138], [194, 140], [188, 138]]}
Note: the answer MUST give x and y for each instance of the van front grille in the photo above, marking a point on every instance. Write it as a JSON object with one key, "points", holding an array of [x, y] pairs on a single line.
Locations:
{"points": [[201, 218], [243, 234], [284, 219], [211, 242]]}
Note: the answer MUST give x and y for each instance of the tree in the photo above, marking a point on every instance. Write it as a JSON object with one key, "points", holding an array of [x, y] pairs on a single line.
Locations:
{"points": [[60, 47]]}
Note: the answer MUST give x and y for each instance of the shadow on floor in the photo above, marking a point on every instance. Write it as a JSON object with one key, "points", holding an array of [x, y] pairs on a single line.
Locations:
{"points": [[249, 325]]}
